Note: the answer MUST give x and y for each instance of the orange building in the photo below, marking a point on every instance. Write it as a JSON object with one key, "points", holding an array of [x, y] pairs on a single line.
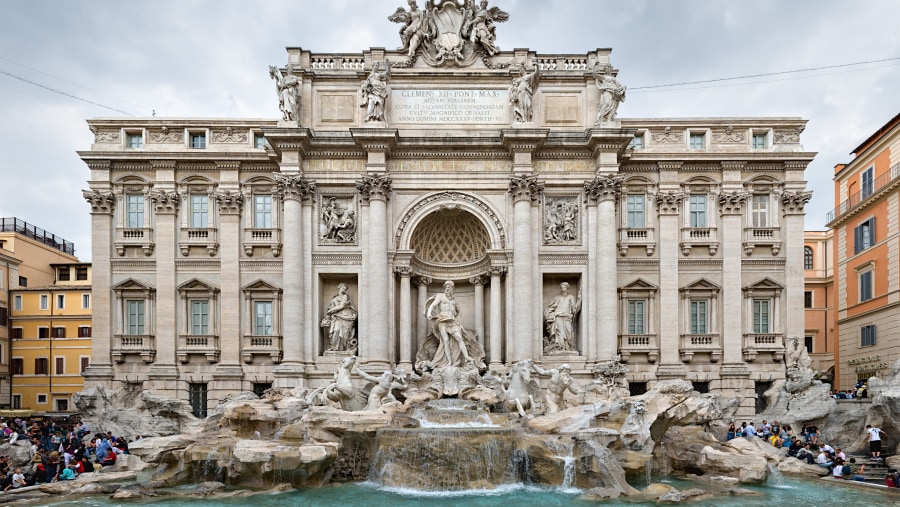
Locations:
{"points": [[818, 298], [867, 257]]}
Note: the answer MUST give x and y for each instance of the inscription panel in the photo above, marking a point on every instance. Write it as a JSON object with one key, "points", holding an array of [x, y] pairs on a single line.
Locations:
{"points": [[457, 106], [428, 165]]}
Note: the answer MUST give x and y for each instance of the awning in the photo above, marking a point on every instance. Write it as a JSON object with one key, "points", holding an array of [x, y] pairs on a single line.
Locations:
{"points": [[16, 413]]}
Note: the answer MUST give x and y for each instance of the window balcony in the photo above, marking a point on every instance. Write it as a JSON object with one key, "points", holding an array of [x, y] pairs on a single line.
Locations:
{"points": [[755, 343], [207, 345], [701, 344], [264, 238], [134, 237], [255, 345], [143, 345], [638, 344], [762, 236], [199, 237], [697, 237], [639, 237]]}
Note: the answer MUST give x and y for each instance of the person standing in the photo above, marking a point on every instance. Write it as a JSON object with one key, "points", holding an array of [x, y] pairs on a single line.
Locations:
{"points": [[875, 435]]}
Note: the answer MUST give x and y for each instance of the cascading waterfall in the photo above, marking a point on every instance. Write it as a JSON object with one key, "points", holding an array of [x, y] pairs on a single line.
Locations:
{"points": [[775, 478]]}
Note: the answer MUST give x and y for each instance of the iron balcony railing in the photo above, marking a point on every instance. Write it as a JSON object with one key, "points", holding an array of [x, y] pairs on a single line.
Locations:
{"points": [[858, 197], [22, 227]]}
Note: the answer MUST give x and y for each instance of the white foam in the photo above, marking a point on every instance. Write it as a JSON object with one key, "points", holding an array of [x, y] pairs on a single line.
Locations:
{"points": [[498, 491]]}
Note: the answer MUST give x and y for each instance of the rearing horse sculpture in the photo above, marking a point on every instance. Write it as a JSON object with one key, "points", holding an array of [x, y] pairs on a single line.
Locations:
{"points": [[519, 394]]}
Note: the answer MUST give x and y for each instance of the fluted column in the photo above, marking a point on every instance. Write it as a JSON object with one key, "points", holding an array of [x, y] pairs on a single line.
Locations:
{"points": [[605, 190], [376, 189], [102, 205], [525, 191], [496, 355], [478, 282], [405, 317], [421, 322]]}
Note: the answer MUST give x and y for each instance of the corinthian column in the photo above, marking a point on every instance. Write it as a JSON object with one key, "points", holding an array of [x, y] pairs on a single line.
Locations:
{"points": [[478, 282], [102, 205], [421, 322], [405, 317], [375, 189], [496, 356], [605, 191], [525, 190]]}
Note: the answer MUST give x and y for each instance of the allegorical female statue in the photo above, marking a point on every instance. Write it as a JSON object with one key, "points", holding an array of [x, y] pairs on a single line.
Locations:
{"points": [[288, 88], [560, 320], [340, 319], [612, 92]]}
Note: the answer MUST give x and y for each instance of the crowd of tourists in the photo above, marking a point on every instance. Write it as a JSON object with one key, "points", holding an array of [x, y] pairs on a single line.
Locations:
{"points": [[861, 390], [60, 451]]}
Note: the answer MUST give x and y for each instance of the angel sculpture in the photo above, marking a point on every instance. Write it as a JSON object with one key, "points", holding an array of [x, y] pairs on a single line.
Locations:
{"points": [[612, 93], [417, 27], [480, 28]]}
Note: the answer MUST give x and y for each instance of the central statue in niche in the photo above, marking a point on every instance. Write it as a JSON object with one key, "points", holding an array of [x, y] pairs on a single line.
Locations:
{"points": [[448, 344]]}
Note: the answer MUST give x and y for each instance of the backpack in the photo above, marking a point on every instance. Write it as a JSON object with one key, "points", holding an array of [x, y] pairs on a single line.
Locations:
{"points": [[845, 470]]}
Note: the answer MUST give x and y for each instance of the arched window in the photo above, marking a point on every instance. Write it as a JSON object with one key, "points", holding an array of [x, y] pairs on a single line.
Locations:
{"points": [[807, 258]]}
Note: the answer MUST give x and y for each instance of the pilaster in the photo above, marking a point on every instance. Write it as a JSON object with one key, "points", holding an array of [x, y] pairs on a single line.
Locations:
{"points": [[102, 229], [605, 191], [668, 205], [230, 203]]}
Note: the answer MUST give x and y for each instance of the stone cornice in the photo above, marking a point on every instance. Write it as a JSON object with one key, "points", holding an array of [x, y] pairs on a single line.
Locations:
{"points": [[560, 259], [336, 259]]}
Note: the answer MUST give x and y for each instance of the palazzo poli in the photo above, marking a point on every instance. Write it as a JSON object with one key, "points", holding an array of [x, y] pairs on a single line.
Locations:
{"points": [[235, 255]]}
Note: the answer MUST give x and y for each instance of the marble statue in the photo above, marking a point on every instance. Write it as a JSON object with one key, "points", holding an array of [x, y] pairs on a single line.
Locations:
{"points": [[416, 27], [341, 390], [560, 382], [338, 222], [560, 221], [612, 93], [340, 319], [520, 94], [480, 28], [381, 390], [288, 88], [559, 318], [443, 311], [797, 356], [611, 381], [374, 91], [519, 390]]}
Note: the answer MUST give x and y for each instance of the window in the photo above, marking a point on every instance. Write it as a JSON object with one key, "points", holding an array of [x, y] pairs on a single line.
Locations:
{"points": [[59, 332], [867, 182], [808, 343], [760, 210], [45, 302], [699, 316], [17, 302], [263, 318], [81, 273], [41, 367], [84, 331], [637, 142], [135, 317], [867, 336], [701, 387], [634, 205], [865, 286], [197, 140], [64, 274], [43, 332], [637, 388], [62, 404], [60, 301], [807, 299], [199, 211], [807, 257], [134, 140], [260, 388], [17, 401], [60, 367], [23, 282], [200, 317], [637, 316], [85, 363], [17, 365], [262, 207], [135, 211], [698, 210], [761, 321], [864, 235], [42, 399], [259, 141], [759, 141], [16, 332], [197, 399], [4, 316], [697, 141], [85, 301]]}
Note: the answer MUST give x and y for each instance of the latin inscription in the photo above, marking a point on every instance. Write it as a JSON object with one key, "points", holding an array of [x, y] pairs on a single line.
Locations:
{"points": [[450, 106], [422, 165]]}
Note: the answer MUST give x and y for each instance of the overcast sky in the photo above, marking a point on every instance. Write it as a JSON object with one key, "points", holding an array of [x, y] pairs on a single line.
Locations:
{"points": [[205, 58]]}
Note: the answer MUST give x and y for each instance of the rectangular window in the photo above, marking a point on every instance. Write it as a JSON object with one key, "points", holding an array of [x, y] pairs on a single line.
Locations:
{"points": [[200, 317], [17, 365], [807, 299], [85, 363], [698, 210], [42, 398], [84, 331], [60, 366], [698, 316], [263, 318], [637, 142], [60, 301], [637, 316], [262, 211], [867, 182], [865, 286], [23, 281], [760, 210], [59, 332], [198, 140], [698, 141], [199, 211], [134, 140], [41, 366], [867, 336], [634, 204], [17, 401], [64, 274], [197, 398], [45, 302], [761, 319], [17, 302], [260, 388], [864, 235], [259, 141], [135, 317], [16, 332], [81, 273], [808, 343], [759, 141], [43, 332], [85, 301], [135, 211], [62, 404], [4, 316]]}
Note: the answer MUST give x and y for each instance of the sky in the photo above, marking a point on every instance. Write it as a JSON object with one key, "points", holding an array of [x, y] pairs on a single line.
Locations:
{"points": [[210, 58]]}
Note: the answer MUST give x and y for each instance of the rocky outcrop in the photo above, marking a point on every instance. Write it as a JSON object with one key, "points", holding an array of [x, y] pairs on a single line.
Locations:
{"points": [[132, 411]]}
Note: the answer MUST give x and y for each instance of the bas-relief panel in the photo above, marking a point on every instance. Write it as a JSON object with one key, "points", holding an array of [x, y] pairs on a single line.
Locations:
{"points": [[561, 220], [337, 220]]}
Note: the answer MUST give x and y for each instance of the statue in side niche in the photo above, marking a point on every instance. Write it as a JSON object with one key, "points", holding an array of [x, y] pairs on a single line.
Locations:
{"points": [[374, 91], [288, 88], [560, 321], [612, 93], [340, 319]]}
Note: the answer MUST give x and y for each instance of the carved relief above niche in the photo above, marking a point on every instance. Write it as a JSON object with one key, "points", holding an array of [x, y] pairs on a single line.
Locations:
{"points": [[561, 220], [337, 220]]}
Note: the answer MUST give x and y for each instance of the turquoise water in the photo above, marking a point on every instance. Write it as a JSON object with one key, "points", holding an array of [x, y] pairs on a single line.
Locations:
{"points": [[799, 493]]}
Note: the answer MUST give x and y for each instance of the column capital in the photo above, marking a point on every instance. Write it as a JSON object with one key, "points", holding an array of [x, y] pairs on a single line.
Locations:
{"points": [[102, 203], [477, 280], [294, 187], [497, 270], [793, 203], [403, 271], [230, 203], [732, 203], [422, 280], [604, 188], [669, 202], [166, 203], [526, 187], [374, 187]]}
